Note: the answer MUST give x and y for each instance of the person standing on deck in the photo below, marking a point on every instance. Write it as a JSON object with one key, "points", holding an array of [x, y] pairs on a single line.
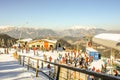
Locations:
{"points": [[34, 49], [115, 73]]}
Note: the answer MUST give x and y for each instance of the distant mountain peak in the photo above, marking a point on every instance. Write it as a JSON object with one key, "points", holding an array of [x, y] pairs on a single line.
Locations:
{"points": [[86, 27], [7, 26]]}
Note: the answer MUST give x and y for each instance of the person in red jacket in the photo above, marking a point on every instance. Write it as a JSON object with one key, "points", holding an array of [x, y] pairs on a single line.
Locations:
{"points": [[115, 73], [50, 58], [34, 49]]}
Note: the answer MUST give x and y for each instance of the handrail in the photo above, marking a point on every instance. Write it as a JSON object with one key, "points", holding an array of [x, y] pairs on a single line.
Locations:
{"points": [[99, 75]]}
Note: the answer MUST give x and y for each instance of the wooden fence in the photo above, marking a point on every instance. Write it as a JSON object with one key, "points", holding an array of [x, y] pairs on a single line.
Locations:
{"points": [[60, 71]]}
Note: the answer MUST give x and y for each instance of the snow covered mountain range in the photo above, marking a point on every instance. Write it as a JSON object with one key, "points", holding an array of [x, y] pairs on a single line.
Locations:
{"points": [[26, 32]]}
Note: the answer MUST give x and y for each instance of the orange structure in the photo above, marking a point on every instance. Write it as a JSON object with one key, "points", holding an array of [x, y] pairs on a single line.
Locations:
{"points": [[45, 44]]}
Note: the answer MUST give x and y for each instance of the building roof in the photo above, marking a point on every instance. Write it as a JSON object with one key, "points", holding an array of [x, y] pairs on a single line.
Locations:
{"points": [[91, 49], [109, 36], [108, 39], [41, 40], [25, 40], [51, 41]]}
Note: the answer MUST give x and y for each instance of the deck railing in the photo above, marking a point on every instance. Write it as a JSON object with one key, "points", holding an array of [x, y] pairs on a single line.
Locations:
{"points": [[57, 71]]}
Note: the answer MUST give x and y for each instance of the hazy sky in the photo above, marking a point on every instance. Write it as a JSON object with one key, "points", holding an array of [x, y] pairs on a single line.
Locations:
{"points": [[58, 14]]}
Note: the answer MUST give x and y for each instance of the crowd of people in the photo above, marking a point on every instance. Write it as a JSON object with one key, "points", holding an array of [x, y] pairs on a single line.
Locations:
{"points": [[80, 60]]}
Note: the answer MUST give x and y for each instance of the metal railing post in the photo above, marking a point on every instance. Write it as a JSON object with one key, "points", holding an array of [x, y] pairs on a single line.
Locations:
{"points": [[28, 63], [37, 67], [23, 60], [20, 59], [58, 73]]}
